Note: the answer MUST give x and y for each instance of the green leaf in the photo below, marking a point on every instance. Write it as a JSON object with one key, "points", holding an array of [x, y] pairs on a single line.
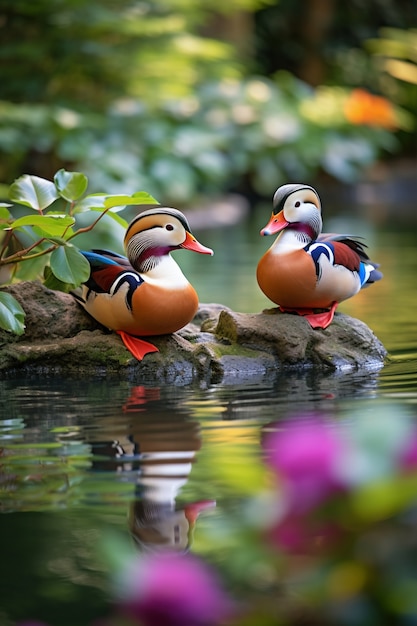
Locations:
{"points": [[52, 282], [140, 197], [69, 265], [54, 225], [144, 198], [101, 201], [94, 201], [33, 269], [34, 192], [117, 218], [12, 315], [4, 215], [70, 185]]}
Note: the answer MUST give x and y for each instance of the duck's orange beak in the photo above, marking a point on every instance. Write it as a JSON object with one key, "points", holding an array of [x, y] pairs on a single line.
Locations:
{"points": [[275, 224], [191, 243]]}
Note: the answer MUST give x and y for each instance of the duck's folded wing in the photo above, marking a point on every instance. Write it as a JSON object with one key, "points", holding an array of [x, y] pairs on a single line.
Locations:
{"points": [[108, 271], [371, 273], [348, 240]]}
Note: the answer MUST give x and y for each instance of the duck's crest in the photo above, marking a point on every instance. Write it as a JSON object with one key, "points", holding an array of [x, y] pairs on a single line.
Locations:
{"points": [[158, 210], [284, 191]]}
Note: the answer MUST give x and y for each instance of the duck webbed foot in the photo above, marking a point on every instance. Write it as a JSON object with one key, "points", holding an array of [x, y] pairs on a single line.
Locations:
{"points": [[316, 319], [137, 347]]}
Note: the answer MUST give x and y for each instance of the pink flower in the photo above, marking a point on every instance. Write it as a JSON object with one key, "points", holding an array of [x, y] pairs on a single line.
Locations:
{"points": [[300, 534], [304, 456], [173, 589], [408, 457]]}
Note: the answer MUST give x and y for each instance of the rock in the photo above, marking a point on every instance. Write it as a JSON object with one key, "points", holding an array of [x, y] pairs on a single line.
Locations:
{"points": [[220, 345]]}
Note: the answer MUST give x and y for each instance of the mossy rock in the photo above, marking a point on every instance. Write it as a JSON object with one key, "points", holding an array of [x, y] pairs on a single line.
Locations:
{"points": [[219, 345]]}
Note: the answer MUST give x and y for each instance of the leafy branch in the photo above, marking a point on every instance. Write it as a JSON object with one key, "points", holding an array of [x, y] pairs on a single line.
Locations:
{"points": [[47, 231]]}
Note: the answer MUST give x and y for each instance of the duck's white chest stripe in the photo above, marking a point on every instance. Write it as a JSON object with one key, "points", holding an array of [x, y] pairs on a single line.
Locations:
{"points": [[316, 250], [133, 281]]}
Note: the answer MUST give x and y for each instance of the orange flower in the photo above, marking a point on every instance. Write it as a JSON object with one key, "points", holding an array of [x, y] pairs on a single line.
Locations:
{"points": [[362, 107]]}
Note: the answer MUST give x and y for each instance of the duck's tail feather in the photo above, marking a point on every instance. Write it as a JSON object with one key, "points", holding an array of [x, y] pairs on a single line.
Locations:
{"points": [[374, 275]]}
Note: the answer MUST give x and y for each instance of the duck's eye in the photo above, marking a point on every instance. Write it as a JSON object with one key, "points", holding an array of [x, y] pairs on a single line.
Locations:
{"points": [[297, 204], [169, 227]]}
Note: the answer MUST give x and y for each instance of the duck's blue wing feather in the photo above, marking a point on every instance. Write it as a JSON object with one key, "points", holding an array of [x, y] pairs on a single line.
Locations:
{"points": [[109, 271], [103, 258]]}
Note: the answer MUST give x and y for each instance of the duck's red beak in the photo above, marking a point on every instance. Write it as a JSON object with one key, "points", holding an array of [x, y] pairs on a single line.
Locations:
{"points": [[275, 224], [191, 243]]}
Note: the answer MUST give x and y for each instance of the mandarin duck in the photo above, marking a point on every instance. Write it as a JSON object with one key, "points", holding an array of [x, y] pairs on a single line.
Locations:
{"points": [[307, 272], [145, 293]]}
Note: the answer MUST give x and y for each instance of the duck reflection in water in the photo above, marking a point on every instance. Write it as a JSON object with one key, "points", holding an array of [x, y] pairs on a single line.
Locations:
{"points": [[161, 447]]}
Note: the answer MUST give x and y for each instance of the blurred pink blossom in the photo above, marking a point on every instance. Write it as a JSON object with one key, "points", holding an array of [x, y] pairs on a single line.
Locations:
{"points": [[301, 534], [408, 458], [304, 455], [173, 589]]}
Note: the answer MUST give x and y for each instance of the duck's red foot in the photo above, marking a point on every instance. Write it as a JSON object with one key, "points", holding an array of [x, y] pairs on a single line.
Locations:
{"points": [[137, 347], [316, 320]]}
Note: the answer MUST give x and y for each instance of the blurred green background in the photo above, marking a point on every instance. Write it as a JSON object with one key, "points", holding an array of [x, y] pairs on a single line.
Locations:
{"points": [[188, 99]]}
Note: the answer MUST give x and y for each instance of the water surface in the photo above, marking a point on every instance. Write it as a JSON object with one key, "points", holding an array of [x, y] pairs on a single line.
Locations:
{"points": [[79, 459]]}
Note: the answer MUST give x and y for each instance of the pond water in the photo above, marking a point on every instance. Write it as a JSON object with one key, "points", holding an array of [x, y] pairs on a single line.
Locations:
{"points": [[91, 468]]}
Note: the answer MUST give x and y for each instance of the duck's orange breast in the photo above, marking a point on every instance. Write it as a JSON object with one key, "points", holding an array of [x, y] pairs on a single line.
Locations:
{"points": [[289, 279], [159, 311], [154, 310]]}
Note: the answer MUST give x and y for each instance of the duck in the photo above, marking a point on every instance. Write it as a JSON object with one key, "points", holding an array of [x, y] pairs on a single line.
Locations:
{"points": [[144, 293], [305, 271]]}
